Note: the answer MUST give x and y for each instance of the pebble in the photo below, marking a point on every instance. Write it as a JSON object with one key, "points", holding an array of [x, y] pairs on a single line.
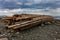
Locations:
{"points": [[17, 32], [56, 32], [49, 22], [42, 24], [47, 32], [54, 38], [58, 39], [3, 35], [3, 39]]}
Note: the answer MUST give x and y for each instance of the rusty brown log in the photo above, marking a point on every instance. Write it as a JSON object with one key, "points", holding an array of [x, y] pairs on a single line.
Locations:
{"points": [[17, 17], [27, 20], [28, 24]]}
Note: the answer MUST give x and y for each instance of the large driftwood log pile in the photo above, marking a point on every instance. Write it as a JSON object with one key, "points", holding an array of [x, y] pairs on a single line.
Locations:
{"points": [[26, 20]]}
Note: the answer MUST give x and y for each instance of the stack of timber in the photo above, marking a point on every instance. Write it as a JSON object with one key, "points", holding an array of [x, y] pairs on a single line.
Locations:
{"points": [[35, 20], [18, 17]]}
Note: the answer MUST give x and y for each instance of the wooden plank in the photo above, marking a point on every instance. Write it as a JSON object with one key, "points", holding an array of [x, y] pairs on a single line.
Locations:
{"points": [[23, 23], [35, 20]]}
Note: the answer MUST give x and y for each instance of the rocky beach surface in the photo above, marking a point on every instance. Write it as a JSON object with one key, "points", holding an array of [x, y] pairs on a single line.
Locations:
{"points": [[41, 32]]}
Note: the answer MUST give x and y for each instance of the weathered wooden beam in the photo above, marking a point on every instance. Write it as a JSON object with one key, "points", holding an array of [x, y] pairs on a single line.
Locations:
{"points": [[30, 23], [26, 22], [23, 23]]}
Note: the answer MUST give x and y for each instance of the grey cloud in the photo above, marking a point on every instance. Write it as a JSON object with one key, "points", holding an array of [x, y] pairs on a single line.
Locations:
{"points": [[12, 4]]}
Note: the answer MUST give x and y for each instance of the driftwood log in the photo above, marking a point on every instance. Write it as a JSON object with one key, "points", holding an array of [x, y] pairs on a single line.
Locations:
{"points": [[27, 20], [17, 18]]}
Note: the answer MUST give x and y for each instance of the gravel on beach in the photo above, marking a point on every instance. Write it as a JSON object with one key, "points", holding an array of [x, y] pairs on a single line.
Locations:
{"points": [[46, 32]]}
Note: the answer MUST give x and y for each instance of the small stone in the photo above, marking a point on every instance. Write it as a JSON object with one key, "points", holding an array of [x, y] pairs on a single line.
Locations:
{"points": [[8, 33], [11, 30], [3, 39], [3, 34], [17, 33], [21, 36], [48, 22], [42, 24], [56, 32], [58, 39]]}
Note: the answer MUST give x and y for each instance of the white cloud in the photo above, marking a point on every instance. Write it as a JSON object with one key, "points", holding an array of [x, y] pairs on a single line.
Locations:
{"points": [[37, 1], [33, 1], [28, 3], [19, 3], [56, 12], [8, 0], [52, 12]]}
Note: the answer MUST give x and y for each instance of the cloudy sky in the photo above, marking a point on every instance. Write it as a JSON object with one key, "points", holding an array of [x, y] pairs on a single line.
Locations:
{"points": [[12, 4], [48, 7]]}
